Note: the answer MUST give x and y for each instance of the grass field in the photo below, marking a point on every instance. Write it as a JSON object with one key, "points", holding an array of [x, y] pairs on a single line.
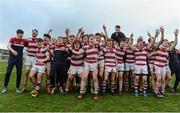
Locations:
{"points": [[59, 102]]}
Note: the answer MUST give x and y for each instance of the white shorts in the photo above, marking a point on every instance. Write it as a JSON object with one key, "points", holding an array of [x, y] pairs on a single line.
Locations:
{"points": [[161, 70], [29, 61], [129, 67], [101, 63], [90, 66], [39, 69], [75, 70], [110, 69], [141, 69], [120, 67], [48, 65]]}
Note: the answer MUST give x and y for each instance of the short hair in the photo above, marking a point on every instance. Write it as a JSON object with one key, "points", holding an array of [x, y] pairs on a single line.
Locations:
{"points": [[109, 39], [19, 31], [150, 39], [72, 36], [123, 39], [98, 34], [59, 37], [139, 39], [118, 26], [84, 36], [47, 35], [39, 40], [90, 35], [35, 30]]}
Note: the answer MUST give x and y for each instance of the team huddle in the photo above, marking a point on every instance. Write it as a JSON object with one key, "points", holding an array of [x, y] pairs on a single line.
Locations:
{"points": [[95, 63]]}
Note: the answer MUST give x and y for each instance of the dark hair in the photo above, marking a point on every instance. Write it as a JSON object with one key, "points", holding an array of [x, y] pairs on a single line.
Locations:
{"points": [[76, 41], [123, 39], [59, 37], [149, 39], [19, 31], [72, 36], [98, 34], [117, 26], [47, 35], [35, 30], [139, 39], [90, 35], [39, 40], [84, 36]]}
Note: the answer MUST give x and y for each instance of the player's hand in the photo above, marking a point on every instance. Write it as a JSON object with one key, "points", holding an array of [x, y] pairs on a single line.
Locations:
{"points": [[50, 31], [14, 52], [40, 61], [176, 32], [157, 33], [162, 29], [67, 31], [80, 29], [104, 26], [131, 35]]}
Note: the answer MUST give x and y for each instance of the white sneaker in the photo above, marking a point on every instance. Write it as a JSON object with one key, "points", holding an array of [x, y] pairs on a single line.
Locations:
{"points": [[4, 90]]}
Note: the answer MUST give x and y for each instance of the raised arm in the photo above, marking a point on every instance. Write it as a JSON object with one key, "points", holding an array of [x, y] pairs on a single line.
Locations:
{"points": [[176, 32], [67, 32], [149, 35], [130, 39], [162, 37], [105, 33], [49, 31], [79, 33]]}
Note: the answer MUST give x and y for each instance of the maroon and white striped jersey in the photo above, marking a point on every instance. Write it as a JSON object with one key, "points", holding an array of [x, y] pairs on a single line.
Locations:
{"points": [[161, 57], [129, 56], [91, 53], [41, 53], [31, 47], [77, 59], [141, 56], [110, 57], [120, 52]]}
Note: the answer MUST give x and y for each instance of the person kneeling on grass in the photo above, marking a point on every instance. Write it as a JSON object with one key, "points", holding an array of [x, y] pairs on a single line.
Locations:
{"points": [[39, 67]]}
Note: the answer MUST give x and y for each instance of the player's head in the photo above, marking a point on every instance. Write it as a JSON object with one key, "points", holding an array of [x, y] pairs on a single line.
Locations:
{"points": [[34, 33], [47, 37], [102, 42], [91, 39], [109, 42], [117, 28], [116, 44], [165, 43], [151, 40], [77, 45], [123, 43], [65, 40], [60, 41], [71, 39], [85, 39], [98, 37], [140, 42], [39, 42], [20, 33]]}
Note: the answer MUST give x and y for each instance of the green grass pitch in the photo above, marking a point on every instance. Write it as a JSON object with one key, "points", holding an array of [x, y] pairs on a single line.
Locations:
{"points": [[62, 103]]}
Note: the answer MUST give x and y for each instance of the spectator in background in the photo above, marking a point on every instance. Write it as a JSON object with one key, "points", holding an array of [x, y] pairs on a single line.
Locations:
{"points": [[118, 35]]}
